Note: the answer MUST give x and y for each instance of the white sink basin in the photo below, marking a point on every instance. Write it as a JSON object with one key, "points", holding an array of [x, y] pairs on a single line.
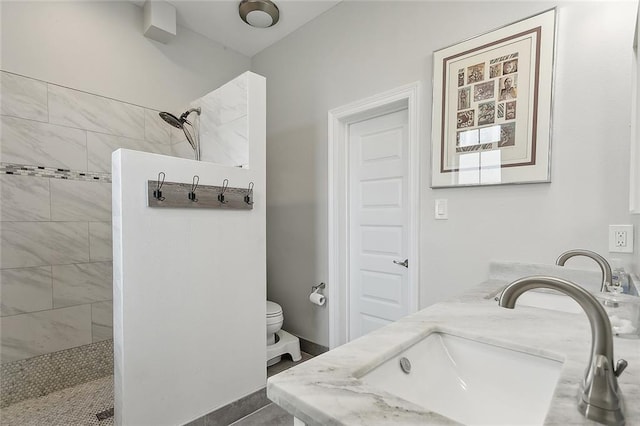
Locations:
{"points": [[553, 301], [471, 382]]}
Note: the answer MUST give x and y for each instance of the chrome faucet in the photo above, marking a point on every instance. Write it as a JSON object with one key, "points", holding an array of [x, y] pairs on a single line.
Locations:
{"points": [[600, 398], [601, 261]]}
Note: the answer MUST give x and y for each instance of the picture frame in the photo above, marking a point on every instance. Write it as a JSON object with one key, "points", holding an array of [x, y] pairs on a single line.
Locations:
{"points": [[492, 98]]}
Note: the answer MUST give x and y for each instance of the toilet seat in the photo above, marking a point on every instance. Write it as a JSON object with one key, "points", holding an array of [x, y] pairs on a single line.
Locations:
{"points": [[273, 309], [274, 316]]}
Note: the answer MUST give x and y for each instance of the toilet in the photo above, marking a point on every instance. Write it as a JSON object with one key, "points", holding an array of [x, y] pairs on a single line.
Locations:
{"points": [[274, 321], [279, 342]]}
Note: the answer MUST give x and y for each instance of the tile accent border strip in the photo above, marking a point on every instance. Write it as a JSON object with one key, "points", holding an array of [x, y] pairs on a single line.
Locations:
{"points": [[52, 172], [41, 375]]}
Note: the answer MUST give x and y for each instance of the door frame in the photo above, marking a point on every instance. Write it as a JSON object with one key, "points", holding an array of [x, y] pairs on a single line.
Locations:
{"points": [[340, 118]]}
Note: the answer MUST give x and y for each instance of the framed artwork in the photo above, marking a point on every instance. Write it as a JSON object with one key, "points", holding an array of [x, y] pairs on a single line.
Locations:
{"points": [[492, 106]]}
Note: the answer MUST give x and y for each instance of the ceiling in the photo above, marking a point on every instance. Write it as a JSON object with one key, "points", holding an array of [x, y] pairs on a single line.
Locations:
{"points": [[218, 20]]}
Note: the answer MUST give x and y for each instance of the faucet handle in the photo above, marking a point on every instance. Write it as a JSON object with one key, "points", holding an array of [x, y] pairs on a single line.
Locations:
{"points": [[620, 366]]}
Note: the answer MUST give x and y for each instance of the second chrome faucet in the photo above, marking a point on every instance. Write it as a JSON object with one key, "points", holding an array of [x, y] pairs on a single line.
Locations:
{"points": [[601, 261]]}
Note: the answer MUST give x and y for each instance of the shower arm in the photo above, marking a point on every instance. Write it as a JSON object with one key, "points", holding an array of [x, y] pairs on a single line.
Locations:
{"points": [[186, 114]]}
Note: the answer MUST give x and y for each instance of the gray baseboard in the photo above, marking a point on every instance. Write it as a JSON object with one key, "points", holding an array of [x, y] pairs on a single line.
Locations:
{"points": [[244, 406], [235, 411], [312, 348]]}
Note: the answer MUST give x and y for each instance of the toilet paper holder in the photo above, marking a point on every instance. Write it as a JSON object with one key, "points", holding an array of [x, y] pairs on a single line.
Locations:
{"points": [[316, 297], [315, 288]]}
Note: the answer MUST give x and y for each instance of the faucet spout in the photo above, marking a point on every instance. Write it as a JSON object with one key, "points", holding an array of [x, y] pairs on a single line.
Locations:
{"points": [[600, 397], [601, 261]]}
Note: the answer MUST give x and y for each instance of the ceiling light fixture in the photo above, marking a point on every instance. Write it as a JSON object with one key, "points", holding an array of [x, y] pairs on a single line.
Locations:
{"points": [[259, 13]]}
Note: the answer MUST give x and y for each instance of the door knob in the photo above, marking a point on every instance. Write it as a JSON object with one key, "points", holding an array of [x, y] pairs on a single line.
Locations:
{"points": [[405, 263]]}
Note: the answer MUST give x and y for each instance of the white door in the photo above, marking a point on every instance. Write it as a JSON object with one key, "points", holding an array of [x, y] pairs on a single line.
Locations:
{"points": [[378, 222]]}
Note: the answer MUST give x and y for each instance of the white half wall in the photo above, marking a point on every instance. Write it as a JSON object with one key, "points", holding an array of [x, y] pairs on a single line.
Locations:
{"points": [[189, 287], [359, 49]]}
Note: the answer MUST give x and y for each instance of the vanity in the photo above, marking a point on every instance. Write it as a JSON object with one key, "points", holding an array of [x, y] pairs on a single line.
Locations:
{"points": [[466, 359]]}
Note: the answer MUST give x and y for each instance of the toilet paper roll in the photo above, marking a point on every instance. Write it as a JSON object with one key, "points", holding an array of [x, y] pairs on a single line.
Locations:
{"points": [[317, 299]]}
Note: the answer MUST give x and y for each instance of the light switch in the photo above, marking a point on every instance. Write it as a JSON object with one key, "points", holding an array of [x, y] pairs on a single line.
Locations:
{"points": [[442, 209]]}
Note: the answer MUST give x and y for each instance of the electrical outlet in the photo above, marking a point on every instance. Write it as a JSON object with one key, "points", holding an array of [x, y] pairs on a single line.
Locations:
{"points": [[621, 238]]}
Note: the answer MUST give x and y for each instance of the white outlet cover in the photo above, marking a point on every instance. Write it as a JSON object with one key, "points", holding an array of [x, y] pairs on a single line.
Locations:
{"points": [[627, 229]]}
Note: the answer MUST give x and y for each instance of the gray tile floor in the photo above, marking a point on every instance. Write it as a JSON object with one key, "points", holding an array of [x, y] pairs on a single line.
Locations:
{"points": [[286, 364], [79, 405], [272, 415], [269, 415]]}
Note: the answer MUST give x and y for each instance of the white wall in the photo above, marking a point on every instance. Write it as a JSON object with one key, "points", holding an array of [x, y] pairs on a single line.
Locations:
{"points": [[358, 49], [189, 287], [98, 47]]}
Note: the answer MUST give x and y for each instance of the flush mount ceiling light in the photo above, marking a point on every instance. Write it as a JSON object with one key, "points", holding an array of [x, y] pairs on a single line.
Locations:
{"points": [[259, 13]]}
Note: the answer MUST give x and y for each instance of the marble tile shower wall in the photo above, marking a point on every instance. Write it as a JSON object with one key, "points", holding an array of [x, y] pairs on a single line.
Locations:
{"points": [[55, 198], [223, 124]]}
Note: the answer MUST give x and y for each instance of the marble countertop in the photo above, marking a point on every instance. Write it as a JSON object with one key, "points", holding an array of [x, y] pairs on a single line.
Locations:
{"points": [[326, 390]]}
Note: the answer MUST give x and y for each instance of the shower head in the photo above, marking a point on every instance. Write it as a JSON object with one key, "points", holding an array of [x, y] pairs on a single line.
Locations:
{"points": [[176, 122], [179, 123], [171, 119]]}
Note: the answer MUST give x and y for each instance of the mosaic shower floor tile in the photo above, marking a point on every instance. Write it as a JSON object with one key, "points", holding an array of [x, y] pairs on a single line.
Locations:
{"points": [[78, 405]]}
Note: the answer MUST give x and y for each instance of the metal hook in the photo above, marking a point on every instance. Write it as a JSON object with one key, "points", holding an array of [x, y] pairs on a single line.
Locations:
{"points": [[249, 197], [157, 193], [194, 186], [225, 185]]}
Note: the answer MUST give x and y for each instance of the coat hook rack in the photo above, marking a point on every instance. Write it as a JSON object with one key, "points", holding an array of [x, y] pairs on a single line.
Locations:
{"points": [[194, 195]]}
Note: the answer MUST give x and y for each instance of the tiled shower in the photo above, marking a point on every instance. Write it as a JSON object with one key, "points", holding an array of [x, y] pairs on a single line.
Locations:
{"points": [[56, 269]]}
